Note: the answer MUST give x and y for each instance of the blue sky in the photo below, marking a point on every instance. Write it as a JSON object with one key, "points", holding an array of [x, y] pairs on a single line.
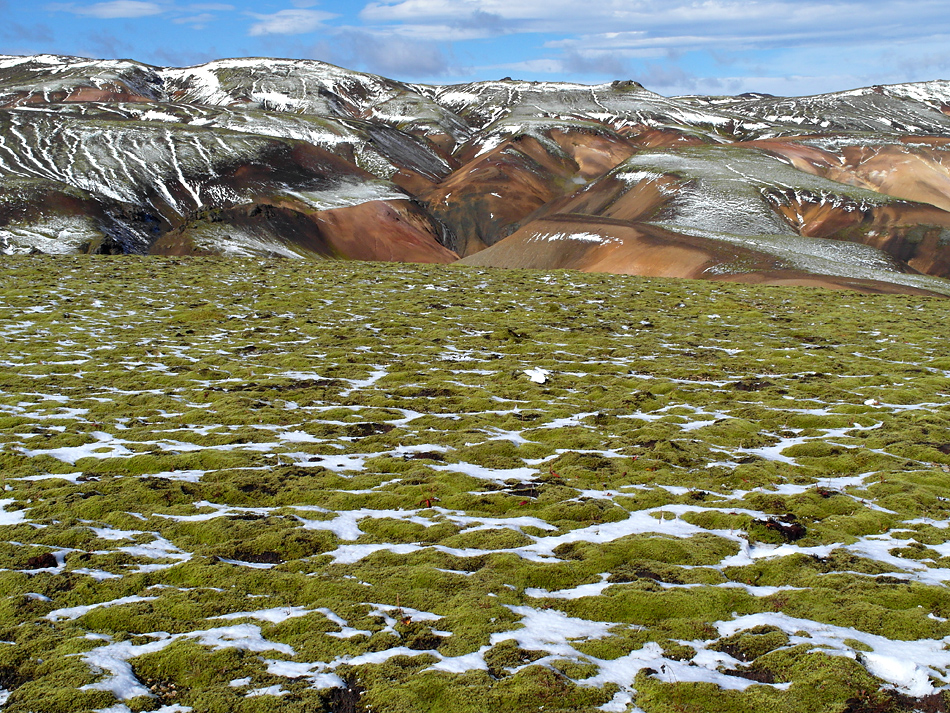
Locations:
{"points": [[786, 47]]}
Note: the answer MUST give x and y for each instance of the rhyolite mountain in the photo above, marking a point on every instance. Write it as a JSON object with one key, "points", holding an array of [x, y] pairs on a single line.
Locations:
{"points": [[300, 158]]}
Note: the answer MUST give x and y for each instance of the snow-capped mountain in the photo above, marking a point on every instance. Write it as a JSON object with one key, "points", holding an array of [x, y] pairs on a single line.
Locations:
{"points": [[304, 159]]}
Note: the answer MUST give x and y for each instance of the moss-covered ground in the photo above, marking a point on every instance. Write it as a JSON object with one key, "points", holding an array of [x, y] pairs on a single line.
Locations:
{"points": [[272, 485]]}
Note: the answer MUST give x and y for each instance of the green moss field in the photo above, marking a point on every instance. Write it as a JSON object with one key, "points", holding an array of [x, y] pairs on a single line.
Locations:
{"points": [[286, 486]]}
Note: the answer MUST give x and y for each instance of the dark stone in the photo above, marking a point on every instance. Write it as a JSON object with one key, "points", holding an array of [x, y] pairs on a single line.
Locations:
{"points": [[362, 430], [425, 455], [751, 385], [345, 700], [752, 674], [784, 526], [41, 561]]}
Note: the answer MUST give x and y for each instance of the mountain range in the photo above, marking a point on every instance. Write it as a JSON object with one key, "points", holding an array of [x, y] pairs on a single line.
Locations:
{"points": [[299, 158]]}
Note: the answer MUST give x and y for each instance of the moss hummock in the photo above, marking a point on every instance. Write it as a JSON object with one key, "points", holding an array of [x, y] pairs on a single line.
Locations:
{"points": [[248, 485]]}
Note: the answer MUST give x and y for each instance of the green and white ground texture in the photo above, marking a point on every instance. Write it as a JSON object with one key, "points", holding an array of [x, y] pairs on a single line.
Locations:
{"points": [[270, 485]]}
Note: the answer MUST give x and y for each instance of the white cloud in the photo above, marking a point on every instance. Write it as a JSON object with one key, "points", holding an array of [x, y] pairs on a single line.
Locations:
{"points": [[113, 9], [389, 55], [427, 33], [540, 66], [791, 86], [288, 22], [762, 23], [197, 21], [782, 46], [194, 14]]}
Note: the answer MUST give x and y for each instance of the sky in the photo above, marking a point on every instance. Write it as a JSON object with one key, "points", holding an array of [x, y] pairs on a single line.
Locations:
{"points": [[782, 47]]}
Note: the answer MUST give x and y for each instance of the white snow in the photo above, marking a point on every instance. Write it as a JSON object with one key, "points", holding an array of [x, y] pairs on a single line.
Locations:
{"points": [[538, 375], [11, 517], [907, 665], [583, 237], [272, 616], [76, 612]]}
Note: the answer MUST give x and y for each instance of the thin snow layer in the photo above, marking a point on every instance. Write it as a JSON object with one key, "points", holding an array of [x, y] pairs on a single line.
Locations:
{"points": [[59, 235], [730, 187], [881, 110], [346, 631], [113, 658], [177, 168], [506, 106], [537, 375], [485, 473], [273, 616], [547, 630], [581, 590], [76, 612], [547, 627], [310, 87], [10, 517], [349, 194], [907, 665], [632, 178], [582, 237], [238, 241], [104, 446], [122, 708], [532, 473], [267, 691]]}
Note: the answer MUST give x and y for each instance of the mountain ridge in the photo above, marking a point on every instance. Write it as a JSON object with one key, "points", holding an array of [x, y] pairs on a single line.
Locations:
{"points": [[300, 158]]}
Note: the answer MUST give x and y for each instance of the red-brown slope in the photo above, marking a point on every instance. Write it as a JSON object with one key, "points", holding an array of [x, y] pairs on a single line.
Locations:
{"points": [[912, 233], [649, 137], [592, 244], [389, 231], [110, 93], [917, 169], [690, 191], [612, 197], [485, 199], [598, 244], [480, 200]]}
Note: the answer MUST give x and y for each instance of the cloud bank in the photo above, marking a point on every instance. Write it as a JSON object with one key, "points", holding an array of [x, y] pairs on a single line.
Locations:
{"points": [[674, 46]]}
